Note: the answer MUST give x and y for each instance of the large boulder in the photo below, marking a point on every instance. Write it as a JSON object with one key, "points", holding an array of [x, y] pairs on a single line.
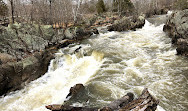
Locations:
{"points": [[79, 33], [15, 74], [19, 40], [75, 90], [177, 28], [127, 23]]}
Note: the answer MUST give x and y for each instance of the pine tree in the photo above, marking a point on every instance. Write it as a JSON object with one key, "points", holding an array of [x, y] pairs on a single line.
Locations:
{"points": [[3, 8], [122, 6], [181, 4], [100, 7]]}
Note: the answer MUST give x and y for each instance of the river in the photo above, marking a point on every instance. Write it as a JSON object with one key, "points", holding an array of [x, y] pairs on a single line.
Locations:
{"points": [[110, 65]]}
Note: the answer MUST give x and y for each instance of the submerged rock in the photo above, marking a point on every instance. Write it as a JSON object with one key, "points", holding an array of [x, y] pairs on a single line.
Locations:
{"points": [[177, 28], [127, 23]]}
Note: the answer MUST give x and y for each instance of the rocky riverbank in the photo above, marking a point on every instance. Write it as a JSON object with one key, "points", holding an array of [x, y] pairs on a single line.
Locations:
{"points": [[26, 49], [177, 28]]}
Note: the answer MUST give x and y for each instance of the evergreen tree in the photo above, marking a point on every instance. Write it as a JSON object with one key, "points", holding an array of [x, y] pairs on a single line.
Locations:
{"points": [[181, 4], [100, 7], [3, 8], [122, 6]]}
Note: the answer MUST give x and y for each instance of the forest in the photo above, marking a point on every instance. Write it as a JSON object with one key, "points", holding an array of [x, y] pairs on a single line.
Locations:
{"points": [[71, 11]]}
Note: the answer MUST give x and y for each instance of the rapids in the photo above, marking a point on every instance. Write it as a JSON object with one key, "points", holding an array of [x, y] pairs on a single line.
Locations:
{"points": [[110, 65]]}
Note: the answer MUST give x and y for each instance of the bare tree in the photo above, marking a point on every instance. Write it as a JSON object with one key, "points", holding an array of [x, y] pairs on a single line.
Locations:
{"points": [[12, 9], [75, 9]]}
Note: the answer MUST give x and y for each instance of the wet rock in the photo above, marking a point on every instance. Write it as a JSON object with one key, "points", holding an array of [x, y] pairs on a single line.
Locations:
{"points": [[177, 28], [15, 74], [95, 31], [127, 23], [75, 90]]}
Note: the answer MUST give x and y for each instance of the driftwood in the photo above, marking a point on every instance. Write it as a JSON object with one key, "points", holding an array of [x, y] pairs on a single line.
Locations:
{"points": [[145, 102], [121, 102]]}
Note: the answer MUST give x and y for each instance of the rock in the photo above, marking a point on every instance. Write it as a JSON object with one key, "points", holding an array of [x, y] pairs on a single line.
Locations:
{"points": [[177, 28], [127, 23], [27, 49], [69, 33], [75, 90], [19, 40], [14, 74], [4, 58], [79, 33], [95, 31], [158, 19]]}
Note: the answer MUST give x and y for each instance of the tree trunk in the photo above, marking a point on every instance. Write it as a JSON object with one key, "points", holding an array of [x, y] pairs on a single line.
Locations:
{"points": [[12, 10]]}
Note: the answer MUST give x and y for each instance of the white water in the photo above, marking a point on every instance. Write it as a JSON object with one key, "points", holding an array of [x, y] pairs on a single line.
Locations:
{"points": [[54, 85], [110, 65]]}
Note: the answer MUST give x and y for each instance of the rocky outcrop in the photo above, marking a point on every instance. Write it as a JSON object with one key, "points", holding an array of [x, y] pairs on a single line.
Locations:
{"points": [[15, 74], [19, 40], [177, 28], [79, 33], [127, 23]]}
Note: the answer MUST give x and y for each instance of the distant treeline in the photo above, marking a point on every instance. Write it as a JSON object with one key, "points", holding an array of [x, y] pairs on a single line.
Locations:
{"points": [[65, 11]]}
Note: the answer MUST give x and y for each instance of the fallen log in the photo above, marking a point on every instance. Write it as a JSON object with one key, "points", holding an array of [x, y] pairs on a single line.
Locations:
{"points": [[69, 108], [145, 102], [121, 102]]}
